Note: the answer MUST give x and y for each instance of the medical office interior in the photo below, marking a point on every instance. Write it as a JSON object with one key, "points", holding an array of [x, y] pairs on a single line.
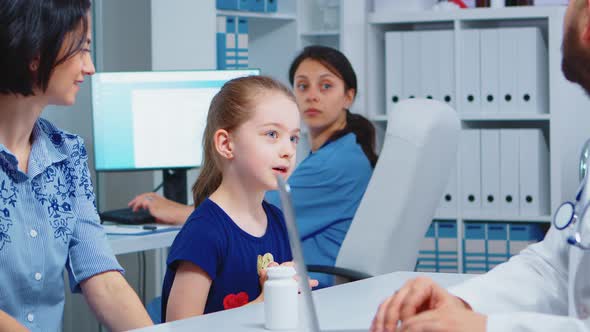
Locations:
{"points": [[498, 68]]}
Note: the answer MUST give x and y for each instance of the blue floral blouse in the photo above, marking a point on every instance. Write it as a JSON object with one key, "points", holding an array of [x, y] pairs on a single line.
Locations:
{"points": [[48, 222]]}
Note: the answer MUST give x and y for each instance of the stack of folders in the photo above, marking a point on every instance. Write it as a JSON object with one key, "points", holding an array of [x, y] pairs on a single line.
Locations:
{"points": [[263, 6], [503, 70], [419, 64], [504, 172], [486, 245], [438, 252], [232, 42]]}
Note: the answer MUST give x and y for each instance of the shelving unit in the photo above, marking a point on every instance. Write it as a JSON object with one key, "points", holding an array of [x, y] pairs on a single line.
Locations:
{"points": [[563, 121], [313, 29], [275, 38], [266, 16]]}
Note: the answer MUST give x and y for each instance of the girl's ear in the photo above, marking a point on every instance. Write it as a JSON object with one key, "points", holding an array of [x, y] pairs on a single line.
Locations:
{"points": [[349, 98], [223, 144]]}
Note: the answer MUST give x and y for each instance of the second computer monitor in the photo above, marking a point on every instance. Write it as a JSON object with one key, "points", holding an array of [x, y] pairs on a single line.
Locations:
{"points": [[153, 120]]}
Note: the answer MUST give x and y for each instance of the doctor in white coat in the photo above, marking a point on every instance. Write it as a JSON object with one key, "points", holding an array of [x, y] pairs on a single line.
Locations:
{"points": [[544, 288]]}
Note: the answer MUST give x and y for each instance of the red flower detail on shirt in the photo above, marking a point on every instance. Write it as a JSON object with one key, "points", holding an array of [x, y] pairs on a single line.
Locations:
{"points": [[231, 301]]}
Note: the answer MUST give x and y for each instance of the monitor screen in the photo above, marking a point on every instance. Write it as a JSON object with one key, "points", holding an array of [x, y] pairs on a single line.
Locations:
{"points": [[153, 120]]}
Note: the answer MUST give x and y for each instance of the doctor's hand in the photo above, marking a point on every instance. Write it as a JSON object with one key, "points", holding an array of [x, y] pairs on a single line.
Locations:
{"points": [[422, 305], [164, 210]]}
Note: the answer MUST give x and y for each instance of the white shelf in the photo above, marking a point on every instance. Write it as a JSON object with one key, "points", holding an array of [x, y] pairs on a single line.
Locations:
{"points": [[266, 16], [508, 13], [497, 218], [325, 33], [379, 118], [505, 117], [487, 117]]}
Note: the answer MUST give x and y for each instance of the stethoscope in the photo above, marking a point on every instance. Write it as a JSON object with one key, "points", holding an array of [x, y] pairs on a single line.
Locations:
{"points": [[568, 215]]}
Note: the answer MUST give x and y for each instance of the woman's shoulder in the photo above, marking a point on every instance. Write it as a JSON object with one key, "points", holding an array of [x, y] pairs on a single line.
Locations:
{"points": [[203, 216], [203, 223], [347, 154], [63, 141]]}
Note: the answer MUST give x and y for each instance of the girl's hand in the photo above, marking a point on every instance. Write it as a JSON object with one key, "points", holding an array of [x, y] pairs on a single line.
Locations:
{"points": [[261, 279], [312, 282]]}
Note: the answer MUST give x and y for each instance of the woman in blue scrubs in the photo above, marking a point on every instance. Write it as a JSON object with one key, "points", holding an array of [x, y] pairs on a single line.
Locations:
{"points": [[328, 185]]}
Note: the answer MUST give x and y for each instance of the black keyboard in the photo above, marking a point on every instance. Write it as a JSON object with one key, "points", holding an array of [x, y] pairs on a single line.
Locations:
{"points": [[127, 216]]}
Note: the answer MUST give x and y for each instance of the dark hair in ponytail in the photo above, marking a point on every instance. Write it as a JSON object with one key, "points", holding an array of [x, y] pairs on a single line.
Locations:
{"points": [[338, 64]]}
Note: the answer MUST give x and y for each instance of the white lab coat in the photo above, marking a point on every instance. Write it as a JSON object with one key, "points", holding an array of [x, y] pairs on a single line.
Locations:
{"points": [[544, 288]]}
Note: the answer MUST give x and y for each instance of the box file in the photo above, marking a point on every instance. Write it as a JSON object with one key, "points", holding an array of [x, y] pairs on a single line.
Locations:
{"points": [[522, 235], [428, 68], [509, 172], [489, 71], [534, 173], [508, 70], [393, 69], [448, 202], [271, 6], [242, 43], [470, 71], [257, 5], [427, 253], [533, 71], [470, 142], [233, 4], [490, 171], [447, 247], [411, 71], [446, 66], [497, 244], [474, 248]]}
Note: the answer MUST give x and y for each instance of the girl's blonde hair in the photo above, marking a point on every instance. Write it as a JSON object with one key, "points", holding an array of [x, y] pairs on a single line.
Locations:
{"points": [[232, 106]]}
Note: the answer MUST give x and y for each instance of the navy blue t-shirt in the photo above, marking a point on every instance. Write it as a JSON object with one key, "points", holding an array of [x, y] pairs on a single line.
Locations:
{"points": [[211, 240]]}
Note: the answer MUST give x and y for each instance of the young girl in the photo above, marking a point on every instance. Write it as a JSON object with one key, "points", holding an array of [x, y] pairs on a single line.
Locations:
{"points": [[218, 259]]}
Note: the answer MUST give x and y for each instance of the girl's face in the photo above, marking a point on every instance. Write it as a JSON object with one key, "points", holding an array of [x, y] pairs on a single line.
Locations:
{"points": [[321, 96], [264, 146], [66, 78]]}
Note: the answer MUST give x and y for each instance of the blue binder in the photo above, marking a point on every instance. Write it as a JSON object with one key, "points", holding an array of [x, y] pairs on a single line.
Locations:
{"points": [[474, 248], [233, 4], [497, 244], [447, 247]]}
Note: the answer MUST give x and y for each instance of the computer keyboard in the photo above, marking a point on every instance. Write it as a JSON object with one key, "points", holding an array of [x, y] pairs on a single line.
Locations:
{"points": [[127, 216]]}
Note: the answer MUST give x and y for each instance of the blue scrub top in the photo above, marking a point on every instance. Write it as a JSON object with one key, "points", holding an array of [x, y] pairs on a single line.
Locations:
{"points": [[327, 188]]}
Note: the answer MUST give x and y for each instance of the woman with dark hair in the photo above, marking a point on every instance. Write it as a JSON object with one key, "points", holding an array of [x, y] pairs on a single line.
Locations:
{"points": [[327, 187], [48, 220]]}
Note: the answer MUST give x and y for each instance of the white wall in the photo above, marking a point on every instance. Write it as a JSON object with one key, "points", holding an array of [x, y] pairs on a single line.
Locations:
{"points": [[183, 37]]}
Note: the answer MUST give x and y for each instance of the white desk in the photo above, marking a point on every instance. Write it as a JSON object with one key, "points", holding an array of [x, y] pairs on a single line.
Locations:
{"points": [[347, 306], [124, 244]]}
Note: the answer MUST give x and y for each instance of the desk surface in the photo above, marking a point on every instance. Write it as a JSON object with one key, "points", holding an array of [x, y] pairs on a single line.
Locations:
{"points": [[347, 306], [124, 244]]}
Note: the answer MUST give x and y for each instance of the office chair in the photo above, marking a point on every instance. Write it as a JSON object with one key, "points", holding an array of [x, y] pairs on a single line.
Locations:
{"points": [[583, 165], [419, 151]]}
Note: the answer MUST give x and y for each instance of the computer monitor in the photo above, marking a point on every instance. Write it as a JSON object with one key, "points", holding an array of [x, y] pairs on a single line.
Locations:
{"points": [[155, 119]]}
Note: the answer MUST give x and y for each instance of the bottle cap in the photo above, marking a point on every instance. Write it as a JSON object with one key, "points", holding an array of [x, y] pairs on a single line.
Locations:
{"points": [[280, 272]]}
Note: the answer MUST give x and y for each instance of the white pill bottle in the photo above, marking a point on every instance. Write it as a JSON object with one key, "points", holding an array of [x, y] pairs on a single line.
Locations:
{"points": [[281, 310]]}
